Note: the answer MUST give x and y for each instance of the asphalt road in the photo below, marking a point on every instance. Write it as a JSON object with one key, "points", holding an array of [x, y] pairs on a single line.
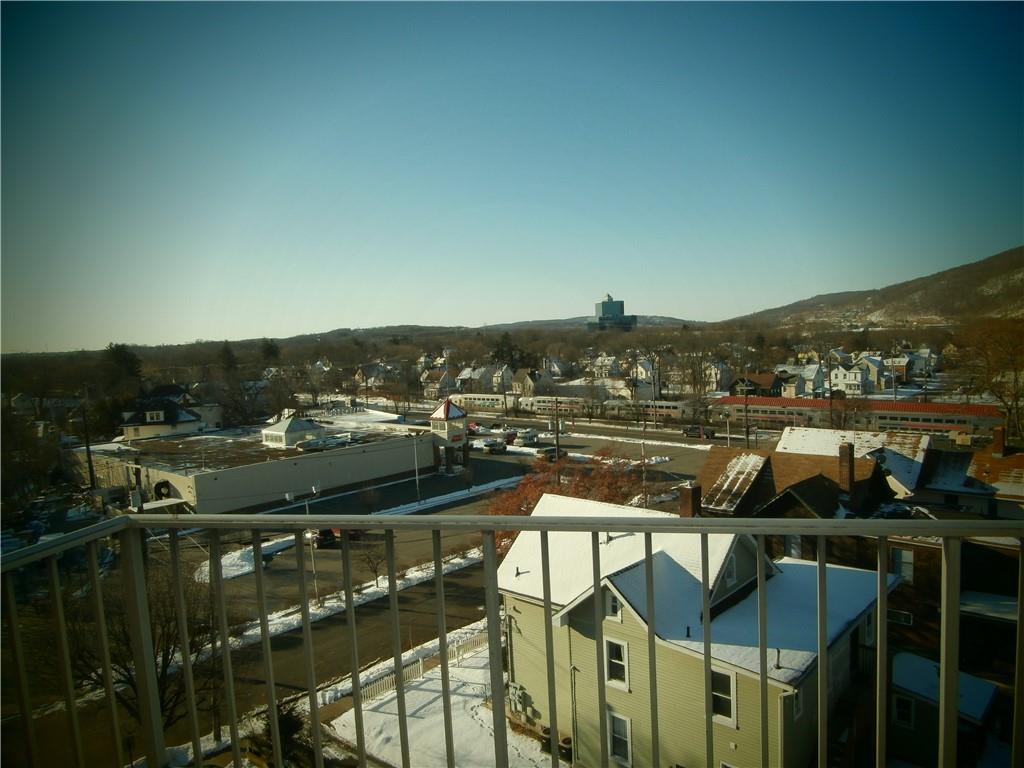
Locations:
{"points": [[417, 605]]}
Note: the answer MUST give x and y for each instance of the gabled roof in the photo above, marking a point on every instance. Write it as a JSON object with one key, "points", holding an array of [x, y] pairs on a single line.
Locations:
{"points": [[172, 413], [732, 484], [901, 454], [569, 553], [447, 411], [754, 477], [920, 677]]}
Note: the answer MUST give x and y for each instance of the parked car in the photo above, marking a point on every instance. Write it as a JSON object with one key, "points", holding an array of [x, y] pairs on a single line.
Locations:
{"points": [[529, 437], [551, 453], [493, 445], [698, 430]]}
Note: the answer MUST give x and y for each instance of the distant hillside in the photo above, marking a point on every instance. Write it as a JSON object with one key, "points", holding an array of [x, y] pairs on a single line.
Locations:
{"points": [[992, 287], [578, 323]]}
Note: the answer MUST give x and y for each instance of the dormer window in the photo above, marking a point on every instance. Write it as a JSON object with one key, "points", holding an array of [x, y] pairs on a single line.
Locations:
{"points": [[154, 416]]}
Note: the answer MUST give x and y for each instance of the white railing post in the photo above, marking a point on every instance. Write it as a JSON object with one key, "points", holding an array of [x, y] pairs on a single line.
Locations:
{"points": [[949, 654], [492, 601], [882, 652], [1018, 678], [151, 727]]}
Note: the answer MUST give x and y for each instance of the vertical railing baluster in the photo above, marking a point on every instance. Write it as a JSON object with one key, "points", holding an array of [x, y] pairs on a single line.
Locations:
{"points": [[103, 646], [822, 654], [64, 654], [268, 660], [549, 648], [18, 651], [882, 652], [705, 616], [217, 585], [762, 644], [185, 643], [493, 601], [949, 653], [442, 649], [652, 664], [602, 699], [1018, 677], [396, 646], [350, 619], [133, 571], [307, 650]]}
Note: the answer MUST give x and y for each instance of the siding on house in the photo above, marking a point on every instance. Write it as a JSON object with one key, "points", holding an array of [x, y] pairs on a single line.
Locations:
{"points": [[680, 692]]}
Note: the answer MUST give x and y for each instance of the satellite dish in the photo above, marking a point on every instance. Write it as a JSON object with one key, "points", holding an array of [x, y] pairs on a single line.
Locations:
{"points": [[288, 497]]}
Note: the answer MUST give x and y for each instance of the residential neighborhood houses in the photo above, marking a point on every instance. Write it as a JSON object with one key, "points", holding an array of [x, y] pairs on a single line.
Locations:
{"points": [[831, 435]]}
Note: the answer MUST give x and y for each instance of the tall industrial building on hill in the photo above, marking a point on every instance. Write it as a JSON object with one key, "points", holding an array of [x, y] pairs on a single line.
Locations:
{"points": [[610, 315]]}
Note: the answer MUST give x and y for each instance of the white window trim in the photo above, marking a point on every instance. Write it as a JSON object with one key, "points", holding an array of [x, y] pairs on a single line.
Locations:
{"points": [[629, 739], [622, 685], [722, 719], [895, 718], [610, 599]]}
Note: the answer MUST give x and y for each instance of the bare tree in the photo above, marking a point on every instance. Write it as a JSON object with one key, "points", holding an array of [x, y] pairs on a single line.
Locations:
{"points": [[161, 596], [374, 558]]}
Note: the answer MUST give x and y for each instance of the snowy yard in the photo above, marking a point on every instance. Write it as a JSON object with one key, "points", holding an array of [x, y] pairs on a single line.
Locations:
{"points": [[471, 722]]}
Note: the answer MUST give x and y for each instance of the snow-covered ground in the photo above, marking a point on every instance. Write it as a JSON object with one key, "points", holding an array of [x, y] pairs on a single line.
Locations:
{"points": [[240, 562], [637, 440], [471, 722]]}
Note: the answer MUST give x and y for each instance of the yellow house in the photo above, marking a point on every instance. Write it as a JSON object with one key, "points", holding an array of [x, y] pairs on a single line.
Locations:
{"points": [[679, 647]]}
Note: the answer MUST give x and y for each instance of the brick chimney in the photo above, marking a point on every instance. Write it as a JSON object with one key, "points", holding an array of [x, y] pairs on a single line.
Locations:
{"points": [[689, 501], [998, 441], [846, 467]]}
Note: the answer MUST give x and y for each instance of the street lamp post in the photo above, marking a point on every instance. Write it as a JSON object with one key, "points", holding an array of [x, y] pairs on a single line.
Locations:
{"points": [[416, 466], [312, 550]]}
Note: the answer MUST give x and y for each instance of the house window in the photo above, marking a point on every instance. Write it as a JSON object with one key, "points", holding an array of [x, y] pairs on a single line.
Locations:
{"points": [[613, 608], [903, 711], [722, 702], [616, 663], [153, 416], [730, 571], [619, 738], [901, 617], [903, 564]]}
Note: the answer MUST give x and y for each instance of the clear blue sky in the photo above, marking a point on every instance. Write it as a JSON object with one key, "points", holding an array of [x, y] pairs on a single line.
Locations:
{"points": [[182, 171]]}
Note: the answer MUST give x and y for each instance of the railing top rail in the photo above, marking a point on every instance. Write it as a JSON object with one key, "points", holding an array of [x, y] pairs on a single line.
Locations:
{"points": [[45, 549], [469, 523], [1012, 529]]}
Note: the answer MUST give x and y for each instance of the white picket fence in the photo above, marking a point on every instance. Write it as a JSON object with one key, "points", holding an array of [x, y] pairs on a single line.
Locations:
{"points": [[414, 669]]}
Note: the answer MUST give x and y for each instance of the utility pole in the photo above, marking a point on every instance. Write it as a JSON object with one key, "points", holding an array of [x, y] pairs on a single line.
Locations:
{"points": [[85, 434], [558, 446]]}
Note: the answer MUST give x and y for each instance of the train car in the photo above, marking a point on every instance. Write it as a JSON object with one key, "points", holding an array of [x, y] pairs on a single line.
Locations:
{"points": [[486, 402], [650, 410], [546, 405], [854, 413]]}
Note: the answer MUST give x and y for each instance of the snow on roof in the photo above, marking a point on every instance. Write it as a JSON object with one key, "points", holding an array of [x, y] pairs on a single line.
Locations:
{"points": [[730, 486], [950, 472], [791, 607], [988, 605], [900, 453], [292, 424], [920, 677], [569, 552], [447, 411]]}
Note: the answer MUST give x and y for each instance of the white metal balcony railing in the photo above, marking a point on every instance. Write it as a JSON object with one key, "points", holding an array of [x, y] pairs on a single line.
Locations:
{"points": [[131, 529]]}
